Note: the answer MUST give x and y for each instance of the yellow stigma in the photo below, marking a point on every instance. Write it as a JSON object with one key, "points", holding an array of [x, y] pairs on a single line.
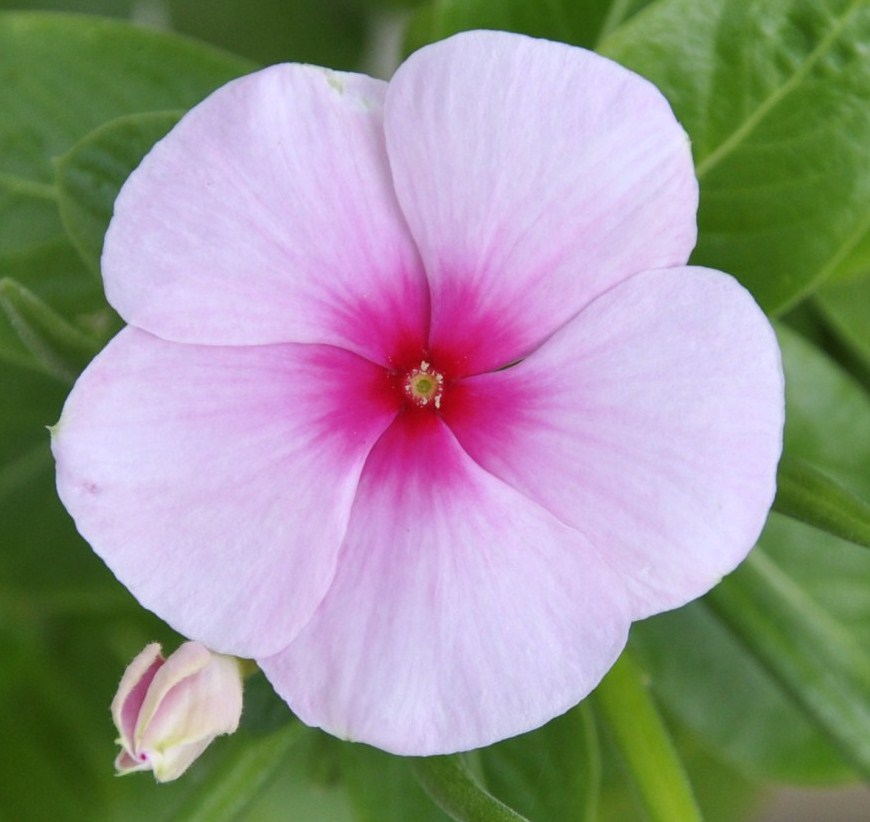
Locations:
{"points": [[424, 386]]}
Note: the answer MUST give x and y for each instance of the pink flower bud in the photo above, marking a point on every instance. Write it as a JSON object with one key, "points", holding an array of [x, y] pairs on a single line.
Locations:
{"points": [[167, 711]]}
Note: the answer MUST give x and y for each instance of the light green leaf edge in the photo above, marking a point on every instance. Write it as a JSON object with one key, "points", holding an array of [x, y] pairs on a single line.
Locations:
{"points": [[58, 347], [451, 786], [81, 209], [807, 494]]}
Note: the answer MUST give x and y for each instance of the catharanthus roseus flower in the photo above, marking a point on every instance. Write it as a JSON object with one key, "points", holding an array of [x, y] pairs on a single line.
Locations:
{"points": [[168, 711], [419, 405]]}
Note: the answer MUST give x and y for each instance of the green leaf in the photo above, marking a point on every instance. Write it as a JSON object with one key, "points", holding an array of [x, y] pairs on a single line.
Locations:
{"points": [[552, 773], [61, 349], [627, 708], [327, 33], [703, 677], [237, 781], [814, 657], [723, 793], [582, 22], [845, 305], [382, 788], [809, 495], [65, 75], [773, 94], [103, 8], [41, 550], [451, 786], [91, 173], [827, 415], [56, 273]]}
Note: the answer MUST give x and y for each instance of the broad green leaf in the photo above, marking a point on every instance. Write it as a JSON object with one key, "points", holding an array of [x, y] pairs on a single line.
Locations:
{"points": [[61, 349], [328, 33], [703, 677], [454, 789], [382, 788], [65, 75], [855, 264], [774, 96], [629, 711], [807, 494], [41, 550], [99, 69], [815, 658], [103, 8], [845, 305], [91, 173], [552, 773], [582, 22], [827, 415]]}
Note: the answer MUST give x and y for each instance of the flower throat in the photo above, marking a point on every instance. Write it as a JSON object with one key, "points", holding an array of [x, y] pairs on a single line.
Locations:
{"points": [[423, 386]]}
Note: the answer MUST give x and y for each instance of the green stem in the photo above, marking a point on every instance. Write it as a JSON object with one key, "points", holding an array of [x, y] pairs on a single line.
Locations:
{"points": [[627, 708], [806, 494], [451, 786]]}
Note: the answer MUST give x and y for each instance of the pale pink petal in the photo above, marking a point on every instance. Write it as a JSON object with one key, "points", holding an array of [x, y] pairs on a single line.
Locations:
{"points": [[268, 215], [188, 660], [131, 692], [652, 422], [461, 612], [217, 482], [195, 696], [534, 176], [173, 762], [125, 764]]}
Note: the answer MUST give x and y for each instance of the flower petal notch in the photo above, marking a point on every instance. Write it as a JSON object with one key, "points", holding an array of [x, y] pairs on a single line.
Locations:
{"points": [[168, 711], [420, 405]]}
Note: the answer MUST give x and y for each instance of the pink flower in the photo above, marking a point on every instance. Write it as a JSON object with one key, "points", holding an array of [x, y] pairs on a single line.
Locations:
{"points": [[419, 405], [167, 711]]}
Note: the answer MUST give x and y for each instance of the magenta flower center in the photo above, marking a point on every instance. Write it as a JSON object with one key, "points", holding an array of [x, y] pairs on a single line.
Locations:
{"points": [[424, 386]]}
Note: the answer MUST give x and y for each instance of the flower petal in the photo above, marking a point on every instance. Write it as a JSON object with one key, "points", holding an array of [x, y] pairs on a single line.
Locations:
{"points": [[132, 690], [534, 176], [268, 215], [195, 696], [461, 613], [217, 482], [652, 422], [173, 762]]}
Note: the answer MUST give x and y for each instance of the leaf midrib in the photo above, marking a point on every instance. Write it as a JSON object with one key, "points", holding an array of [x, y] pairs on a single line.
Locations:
{"points": [[748, 126]]}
